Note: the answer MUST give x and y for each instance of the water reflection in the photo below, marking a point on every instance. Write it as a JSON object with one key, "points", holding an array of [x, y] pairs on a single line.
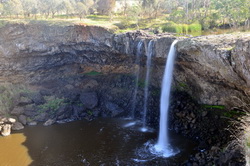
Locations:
{"points": [[99, 142]]}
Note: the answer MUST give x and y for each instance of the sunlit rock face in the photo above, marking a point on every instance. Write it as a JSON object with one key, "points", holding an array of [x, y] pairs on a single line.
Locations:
{"points": [[5, 125], [214, 67], [33, 47], [127, 43]]}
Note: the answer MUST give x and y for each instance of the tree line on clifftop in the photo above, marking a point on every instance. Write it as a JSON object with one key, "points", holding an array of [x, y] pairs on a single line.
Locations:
{"points": [[204, 13]]}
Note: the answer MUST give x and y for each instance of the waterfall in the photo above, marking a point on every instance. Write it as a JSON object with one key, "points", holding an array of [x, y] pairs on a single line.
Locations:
{"points": [[163, 145], [137, 71], [149, 53]]}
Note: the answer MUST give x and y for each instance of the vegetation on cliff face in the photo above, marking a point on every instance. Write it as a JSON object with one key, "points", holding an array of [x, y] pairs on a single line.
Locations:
{"points": [[180, 16]]}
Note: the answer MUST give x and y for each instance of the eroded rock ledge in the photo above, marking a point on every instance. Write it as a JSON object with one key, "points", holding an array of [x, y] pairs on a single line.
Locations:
{"points": [[215, 67]]}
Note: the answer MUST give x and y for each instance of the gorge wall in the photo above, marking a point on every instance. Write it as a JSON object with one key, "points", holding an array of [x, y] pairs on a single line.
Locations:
{"points": [[213, 69], [89, 59], [62, 73]]}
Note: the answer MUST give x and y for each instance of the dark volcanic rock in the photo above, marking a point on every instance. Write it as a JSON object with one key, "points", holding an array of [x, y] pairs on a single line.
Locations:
{"points": [[17, 126], [17, 111], [89, 99], [22, 119], [113, 109], [64, 112], [212, 67], [37, 98]]}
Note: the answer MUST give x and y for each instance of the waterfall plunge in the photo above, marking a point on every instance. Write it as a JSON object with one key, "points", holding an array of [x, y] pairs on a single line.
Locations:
{"points": [[137, 72], [149, 53], [163, 146]]}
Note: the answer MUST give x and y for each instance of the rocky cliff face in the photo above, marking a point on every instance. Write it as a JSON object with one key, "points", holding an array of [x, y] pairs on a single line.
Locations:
{"points": [[28, 48], [58, 74], [212, 69], [215, 68]]}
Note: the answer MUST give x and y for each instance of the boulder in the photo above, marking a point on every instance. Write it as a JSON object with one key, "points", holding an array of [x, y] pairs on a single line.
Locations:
{"points": [[24, 101], [32, 123], [37, 98], [17, 110], [17, 126], [45, 92], [89, 100], [113, 108], [7, 120], [6, 129], [49, 122], [64, 112], [22, 119], [41, 117], [88, 84], [11, 120], [29, 110]]}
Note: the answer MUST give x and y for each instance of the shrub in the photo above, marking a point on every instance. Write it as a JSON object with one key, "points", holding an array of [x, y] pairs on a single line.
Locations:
{"points": [[168, 28], [195, 27], [185, 28], [182, 28], [93, 73], [8, 93], [52, 104]]}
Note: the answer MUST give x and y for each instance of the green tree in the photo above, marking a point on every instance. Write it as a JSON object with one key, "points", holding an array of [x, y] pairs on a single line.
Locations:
{"points": [[232, 12], [13, 7], [105, 7], [67, 6], [81, 10], [29, 7]]}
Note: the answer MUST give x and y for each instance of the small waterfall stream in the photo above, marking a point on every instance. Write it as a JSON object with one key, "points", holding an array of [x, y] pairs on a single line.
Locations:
{"points": [[149, 53], [137, 71], [163, 146]]}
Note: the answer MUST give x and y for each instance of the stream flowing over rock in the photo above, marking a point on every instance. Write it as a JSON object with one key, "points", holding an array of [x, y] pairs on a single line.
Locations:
{"points": [[65, 73]]}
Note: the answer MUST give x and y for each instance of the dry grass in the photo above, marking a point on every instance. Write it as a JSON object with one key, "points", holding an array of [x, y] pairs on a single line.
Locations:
{"points": [[242, 133]]}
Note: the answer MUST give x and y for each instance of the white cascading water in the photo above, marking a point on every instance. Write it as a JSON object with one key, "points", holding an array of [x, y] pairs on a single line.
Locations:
{"points": [[137, 71], [163, 145], [149, 53]]}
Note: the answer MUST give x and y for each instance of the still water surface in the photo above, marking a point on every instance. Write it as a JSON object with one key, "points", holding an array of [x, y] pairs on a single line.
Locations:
{"points": [[102, 142]]}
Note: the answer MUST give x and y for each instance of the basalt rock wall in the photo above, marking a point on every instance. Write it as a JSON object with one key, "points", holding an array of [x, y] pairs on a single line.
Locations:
{"points": [[75, 72], [215, 68], [212, 69]]}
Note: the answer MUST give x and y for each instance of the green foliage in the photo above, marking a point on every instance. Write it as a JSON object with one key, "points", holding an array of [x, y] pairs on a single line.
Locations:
{"points": [[52, 104], [183, 85], [248, 142], [155, 15], [141, 83], [90, 112], [220, 107], [182, 28], [233, 113], [105, 7], [8, 93], [195, 27], [98, 17], [156, 92]]}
